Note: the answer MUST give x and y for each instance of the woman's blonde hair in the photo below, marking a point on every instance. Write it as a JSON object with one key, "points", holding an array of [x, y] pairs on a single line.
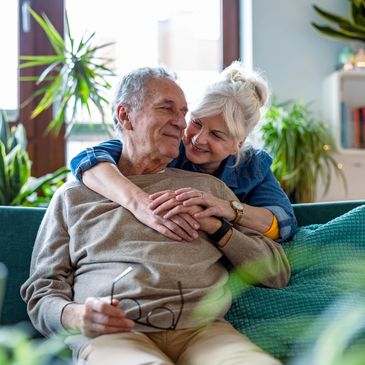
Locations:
{"points": [[238, 96]]}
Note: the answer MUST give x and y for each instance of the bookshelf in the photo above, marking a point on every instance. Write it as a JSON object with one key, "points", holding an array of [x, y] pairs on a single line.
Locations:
{"points": [[344, 91], [344, 110]]}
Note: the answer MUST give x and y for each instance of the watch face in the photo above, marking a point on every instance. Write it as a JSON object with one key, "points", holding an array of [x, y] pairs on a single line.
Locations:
{"points": [[237, 205]]}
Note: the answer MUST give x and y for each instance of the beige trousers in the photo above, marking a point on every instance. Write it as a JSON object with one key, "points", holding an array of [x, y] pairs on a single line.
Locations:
{"points": [[216, 344]]}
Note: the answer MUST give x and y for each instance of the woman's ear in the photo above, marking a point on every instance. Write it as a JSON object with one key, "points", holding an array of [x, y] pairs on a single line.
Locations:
{"points": [[240, 144], [123, 116]]}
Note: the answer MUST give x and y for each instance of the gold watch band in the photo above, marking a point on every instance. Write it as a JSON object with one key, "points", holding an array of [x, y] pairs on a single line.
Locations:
{"points": [[238, 210], [238, 216]]}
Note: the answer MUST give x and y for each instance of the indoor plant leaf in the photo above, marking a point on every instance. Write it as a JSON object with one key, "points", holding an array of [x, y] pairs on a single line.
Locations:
{"points": [[333, 33], [348, 29], [74, 77], [297, 143], [330, 16]]}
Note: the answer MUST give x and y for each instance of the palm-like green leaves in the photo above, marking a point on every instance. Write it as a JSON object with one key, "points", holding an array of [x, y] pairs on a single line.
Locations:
{"points": [[348, 29], [73, 79], [301, 147], [17, 187]]}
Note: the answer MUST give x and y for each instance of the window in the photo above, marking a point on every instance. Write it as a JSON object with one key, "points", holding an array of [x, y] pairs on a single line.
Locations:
{"points": [[9, 59], [183, 35], [47, 152]]}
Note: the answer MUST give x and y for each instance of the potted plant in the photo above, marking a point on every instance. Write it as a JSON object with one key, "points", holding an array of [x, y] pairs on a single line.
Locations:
{"points": [[17, 187], [352, 28], [74, 78], [301, 148]]}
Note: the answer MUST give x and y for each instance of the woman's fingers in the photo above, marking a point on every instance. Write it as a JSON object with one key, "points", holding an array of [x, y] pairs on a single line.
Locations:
{"points": [[166, 206], [158, 194], [160, 198], [185, 194], [179, 209]]}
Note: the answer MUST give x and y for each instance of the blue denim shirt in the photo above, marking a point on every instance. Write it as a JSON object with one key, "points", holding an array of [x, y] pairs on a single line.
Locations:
{"points": [[251, 180]]}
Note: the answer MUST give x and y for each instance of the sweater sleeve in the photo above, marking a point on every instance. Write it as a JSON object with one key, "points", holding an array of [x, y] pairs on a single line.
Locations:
{"points": [[258, 259], [49, 287]]}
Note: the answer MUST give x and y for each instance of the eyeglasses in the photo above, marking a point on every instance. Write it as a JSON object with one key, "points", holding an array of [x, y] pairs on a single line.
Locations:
{"points": [[151, 319]]}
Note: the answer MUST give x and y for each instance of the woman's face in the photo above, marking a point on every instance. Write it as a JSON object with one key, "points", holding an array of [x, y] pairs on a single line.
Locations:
{"points": [[207, 142]]}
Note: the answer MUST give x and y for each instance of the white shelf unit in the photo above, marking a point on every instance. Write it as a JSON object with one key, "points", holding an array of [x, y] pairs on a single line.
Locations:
{"points": [[346, 87]]}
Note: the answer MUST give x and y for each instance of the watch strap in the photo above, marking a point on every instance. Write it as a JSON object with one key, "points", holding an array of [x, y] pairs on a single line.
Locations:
{"points": [[220, 233]]}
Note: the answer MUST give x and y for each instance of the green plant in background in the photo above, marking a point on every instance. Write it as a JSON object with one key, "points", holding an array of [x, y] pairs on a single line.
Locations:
{"points": [[17, 187], [302, 150], [17, 347], [74, 78], [348, 29]]}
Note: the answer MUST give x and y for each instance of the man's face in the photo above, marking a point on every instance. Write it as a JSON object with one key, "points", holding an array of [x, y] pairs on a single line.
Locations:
{"points": [[158, 126]]}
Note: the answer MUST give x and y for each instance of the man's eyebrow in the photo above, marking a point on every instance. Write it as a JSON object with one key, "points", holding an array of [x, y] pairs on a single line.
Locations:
{"points": [[172, 103]]}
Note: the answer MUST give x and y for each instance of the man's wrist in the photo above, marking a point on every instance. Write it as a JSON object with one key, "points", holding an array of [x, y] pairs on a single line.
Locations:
{"points": [[213, 226], [70, 317], [221, 231]]}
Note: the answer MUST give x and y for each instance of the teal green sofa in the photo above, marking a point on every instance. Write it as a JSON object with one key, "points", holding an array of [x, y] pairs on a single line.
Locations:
{"points": [[19, 225]]}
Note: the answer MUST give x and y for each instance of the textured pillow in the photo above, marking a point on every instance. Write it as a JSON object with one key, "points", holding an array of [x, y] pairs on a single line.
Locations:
{"points": [[328, 263]]}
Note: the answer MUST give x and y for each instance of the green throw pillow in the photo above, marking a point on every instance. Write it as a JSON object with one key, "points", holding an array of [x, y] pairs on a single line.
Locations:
{"points": [[327, 264]]}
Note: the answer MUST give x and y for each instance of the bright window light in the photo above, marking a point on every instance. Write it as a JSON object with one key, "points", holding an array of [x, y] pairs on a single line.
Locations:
{"points": [[9, 57], [182, 35]]}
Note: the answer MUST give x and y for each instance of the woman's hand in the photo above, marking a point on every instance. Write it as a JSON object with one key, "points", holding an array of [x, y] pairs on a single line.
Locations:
{"points": [[180, 226], [169, 203], [106, 179]]}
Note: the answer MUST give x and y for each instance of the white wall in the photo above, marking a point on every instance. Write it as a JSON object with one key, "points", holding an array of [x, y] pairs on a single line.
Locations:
{"points": [[293, 56], [295, 60]]}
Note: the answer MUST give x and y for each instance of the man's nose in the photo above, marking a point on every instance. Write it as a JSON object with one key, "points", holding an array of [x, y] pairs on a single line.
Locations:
{"points": [[179, 120]]}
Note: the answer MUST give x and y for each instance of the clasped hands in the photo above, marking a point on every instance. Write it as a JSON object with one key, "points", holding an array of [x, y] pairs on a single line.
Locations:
{"points": [[190, 209]]}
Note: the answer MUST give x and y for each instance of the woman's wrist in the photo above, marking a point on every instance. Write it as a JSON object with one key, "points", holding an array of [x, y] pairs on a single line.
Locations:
{"points": [[132, 199]]}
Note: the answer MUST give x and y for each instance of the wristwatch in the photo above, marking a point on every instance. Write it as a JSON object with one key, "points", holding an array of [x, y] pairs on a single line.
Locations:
{"points": [[238, 209], [218, 235]]}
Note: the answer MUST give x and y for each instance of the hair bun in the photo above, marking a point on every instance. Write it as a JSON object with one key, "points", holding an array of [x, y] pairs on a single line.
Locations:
{"points": [[237, 73]]}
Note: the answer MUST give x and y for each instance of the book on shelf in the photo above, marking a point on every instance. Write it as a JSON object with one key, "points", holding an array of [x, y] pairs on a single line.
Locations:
{"points": [[352, 126]]}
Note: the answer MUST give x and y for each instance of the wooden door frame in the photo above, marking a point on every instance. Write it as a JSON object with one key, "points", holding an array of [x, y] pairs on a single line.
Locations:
{"points": [[46, 151], [230, 31]]}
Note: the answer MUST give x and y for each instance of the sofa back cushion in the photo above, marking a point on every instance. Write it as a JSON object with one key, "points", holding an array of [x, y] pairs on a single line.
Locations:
{"points": [[18, 230]]}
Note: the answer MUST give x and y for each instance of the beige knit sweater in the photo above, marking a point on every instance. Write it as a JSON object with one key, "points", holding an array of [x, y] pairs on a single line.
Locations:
{"points": [[85, 241]]}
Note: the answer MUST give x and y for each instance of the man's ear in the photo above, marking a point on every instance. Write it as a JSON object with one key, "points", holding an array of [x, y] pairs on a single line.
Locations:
{"points": [[123, 116]]}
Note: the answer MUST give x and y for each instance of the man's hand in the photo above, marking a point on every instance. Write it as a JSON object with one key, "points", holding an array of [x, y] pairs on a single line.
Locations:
{"points": [[96, 317]]}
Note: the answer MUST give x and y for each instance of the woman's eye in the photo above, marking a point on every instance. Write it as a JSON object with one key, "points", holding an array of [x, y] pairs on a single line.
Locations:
{"points": [[218, 136], [196, 123]]}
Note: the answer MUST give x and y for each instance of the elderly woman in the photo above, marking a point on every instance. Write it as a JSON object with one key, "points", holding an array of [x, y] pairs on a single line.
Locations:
{"points": [[213, 143]]}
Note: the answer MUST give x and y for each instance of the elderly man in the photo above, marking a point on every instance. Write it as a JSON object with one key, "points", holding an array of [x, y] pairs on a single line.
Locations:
{"points": [[125, 293]]}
